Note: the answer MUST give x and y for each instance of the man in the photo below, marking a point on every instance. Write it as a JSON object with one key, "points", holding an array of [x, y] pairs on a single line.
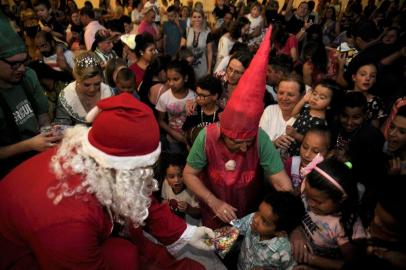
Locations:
{"points": [[278, 67], [87, 18], [52, 53], [227, 155], [75, 193], [295, 20], [23, 105]]}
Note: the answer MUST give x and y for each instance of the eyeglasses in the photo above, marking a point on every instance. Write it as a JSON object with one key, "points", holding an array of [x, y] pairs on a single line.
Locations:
{"points": [[203, 96], [14, 65], [235, 71]]}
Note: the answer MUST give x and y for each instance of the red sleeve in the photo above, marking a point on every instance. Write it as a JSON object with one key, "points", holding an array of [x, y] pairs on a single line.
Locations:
{"points": [[163, 224], [291, 42], [77, 245]]}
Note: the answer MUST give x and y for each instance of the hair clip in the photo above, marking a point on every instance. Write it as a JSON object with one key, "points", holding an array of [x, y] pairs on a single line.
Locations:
{"points": [[313, 166]]}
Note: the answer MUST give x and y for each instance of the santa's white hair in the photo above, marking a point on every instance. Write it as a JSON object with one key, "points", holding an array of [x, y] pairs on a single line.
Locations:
{"points": [[125, 193]]}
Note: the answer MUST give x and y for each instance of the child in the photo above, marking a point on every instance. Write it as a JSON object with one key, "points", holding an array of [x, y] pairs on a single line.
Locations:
{"points": [[329, 192], [171, 104], [180, 199], [313, 109], [47, 22], [125, 82], [364, 79], [256, 25], [208, 91], [316, 140], [173, 31], [266, 243]]}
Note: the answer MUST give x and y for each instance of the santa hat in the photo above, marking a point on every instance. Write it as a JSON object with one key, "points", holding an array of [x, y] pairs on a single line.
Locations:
{"points": [[124, 134], [240, 118]]}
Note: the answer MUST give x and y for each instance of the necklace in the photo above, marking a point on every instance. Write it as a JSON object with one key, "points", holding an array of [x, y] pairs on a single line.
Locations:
{"points": [[214, 115], [195, 39]]}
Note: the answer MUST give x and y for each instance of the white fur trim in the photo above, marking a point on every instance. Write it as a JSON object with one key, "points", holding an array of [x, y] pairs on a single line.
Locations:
{"points": [[119, 163], [183, 240], [91, 115]]}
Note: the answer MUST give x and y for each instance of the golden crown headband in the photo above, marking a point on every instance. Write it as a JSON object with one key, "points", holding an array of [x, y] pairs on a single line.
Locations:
{"points": [[87, 61]]}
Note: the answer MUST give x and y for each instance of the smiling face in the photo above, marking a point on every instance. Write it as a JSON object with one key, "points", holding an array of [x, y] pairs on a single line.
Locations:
{"points": [[397, 134], [351, 118], [90, 87], [313, 143], [319, 202], [288, 95], [264, 221], [365, 78], [197, 19], [174, 176], [320, 98]]}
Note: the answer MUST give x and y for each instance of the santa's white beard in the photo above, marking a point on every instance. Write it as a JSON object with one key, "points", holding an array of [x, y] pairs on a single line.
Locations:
{"points": [[126, 193]]}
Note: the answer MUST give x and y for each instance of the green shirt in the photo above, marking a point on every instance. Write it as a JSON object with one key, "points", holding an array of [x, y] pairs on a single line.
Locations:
{"points": [[21, 108], [269, 158]]}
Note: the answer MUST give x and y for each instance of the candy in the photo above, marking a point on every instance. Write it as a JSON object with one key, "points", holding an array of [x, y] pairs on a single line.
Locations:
{"points": [[224, 239]]}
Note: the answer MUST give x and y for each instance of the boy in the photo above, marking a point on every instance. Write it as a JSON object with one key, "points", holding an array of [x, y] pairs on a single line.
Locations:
{"points": [[173, 30], [208, 91], [47, 22], [266, 243]]}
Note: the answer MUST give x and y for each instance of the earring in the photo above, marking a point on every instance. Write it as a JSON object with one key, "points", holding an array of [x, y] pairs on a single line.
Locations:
{"points": [[142, 53]]}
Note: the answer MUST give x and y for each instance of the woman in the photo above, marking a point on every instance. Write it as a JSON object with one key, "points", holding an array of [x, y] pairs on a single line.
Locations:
{"points": [[80, 96], [145, 50], [238, 29], [74, 31], [199, 40], [276, 117], [330, 27], [283, 42]]}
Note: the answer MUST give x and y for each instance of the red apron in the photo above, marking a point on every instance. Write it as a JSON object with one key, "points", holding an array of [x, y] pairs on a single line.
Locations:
{"points": [[241, 187]]}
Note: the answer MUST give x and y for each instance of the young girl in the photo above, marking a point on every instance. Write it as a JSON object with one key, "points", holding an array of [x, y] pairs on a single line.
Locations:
{"points": [[312, 110], [364, 79], [316, 140], [325, 239], [171, 104], [266, 243], [256, 25], [180, 199]]}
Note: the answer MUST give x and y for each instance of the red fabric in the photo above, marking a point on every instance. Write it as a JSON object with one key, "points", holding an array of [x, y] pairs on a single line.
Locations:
{"points": [[75, 234], [240, 118], [146, 27], [240, 188], [291, 42], [120, 130], [138, 73]]}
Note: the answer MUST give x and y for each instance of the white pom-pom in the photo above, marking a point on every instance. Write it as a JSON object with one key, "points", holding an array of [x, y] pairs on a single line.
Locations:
{"points": [[92, 114]]}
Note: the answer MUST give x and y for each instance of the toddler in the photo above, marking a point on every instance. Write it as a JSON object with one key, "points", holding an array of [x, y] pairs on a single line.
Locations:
{"points": [[312, 111], [266, 243], [124, 80], [180, 199]]}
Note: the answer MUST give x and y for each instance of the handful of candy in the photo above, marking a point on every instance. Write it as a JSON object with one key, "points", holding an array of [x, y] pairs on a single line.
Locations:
{"points": [[56, 130], [224, 240]]}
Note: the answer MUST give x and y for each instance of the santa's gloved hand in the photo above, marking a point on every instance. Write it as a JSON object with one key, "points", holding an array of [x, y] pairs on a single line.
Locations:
{"points": [[199, 236]]}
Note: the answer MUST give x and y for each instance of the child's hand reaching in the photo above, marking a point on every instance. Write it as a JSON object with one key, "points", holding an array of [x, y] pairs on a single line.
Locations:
{"points": [[291, 131]]}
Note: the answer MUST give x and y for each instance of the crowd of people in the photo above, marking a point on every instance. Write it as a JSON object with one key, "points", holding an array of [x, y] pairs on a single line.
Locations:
{"points": [[129, 135]]}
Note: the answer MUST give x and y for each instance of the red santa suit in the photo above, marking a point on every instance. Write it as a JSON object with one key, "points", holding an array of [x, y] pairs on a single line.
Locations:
{"points": [[75, 233]]}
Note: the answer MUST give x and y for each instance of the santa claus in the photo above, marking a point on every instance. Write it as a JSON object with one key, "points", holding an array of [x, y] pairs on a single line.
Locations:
{"points": [[58, 209]]}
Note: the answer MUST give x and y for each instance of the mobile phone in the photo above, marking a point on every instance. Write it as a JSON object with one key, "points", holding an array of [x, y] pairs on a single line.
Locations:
{"points": [[311, 18]]}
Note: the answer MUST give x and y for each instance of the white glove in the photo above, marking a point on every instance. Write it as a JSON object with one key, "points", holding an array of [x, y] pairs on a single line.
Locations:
{"points": [[199, 236]]}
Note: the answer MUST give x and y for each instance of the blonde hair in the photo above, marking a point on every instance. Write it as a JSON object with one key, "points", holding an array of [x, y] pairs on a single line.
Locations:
{"points": [[87, 65], [201, 12]]}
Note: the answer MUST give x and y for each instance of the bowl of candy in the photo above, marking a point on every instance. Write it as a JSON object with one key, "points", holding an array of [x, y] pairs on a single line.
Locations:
{"points": [[224, 239]]}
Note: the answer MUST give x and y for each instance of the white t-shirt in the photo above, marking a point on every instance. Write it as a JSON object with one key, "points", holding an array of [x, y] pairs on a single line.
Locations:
{"points": [[185, 196], [272, 122], [175, 108]]}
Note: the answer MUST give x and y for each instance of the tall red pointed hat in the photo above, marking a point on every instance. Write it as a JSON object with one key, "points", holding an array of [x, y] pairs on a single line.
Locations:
{"points": [[240, 118]]}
